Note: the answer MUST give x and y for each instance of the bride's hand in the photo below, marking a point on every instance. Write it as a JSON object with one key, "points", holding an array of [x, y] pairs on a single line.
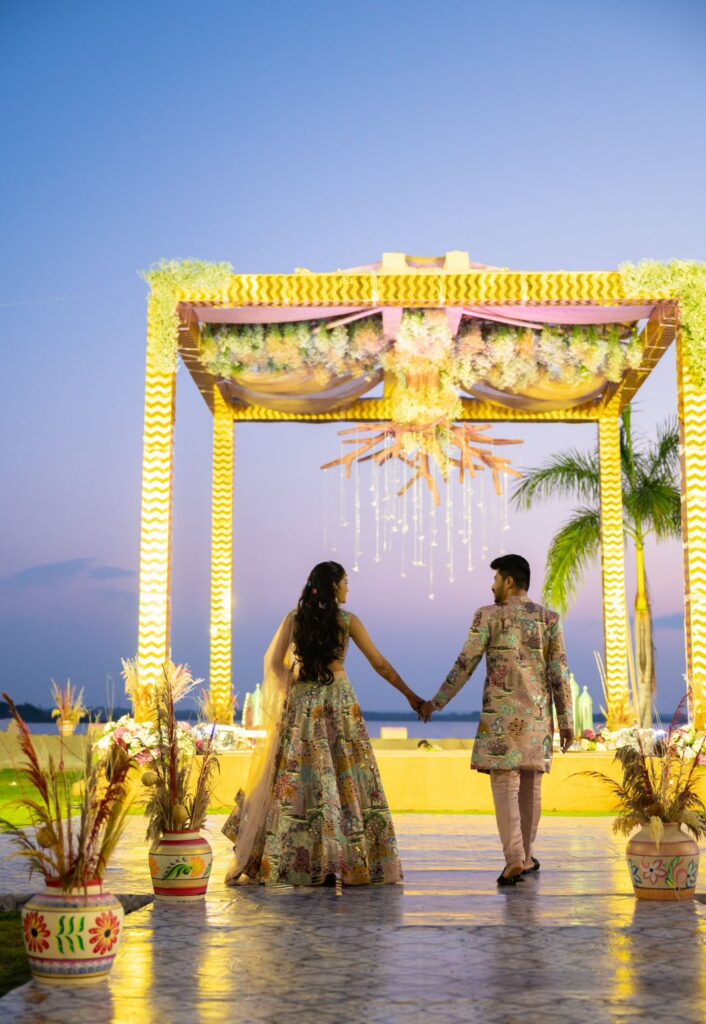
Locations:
{"points": [[426, 711]]}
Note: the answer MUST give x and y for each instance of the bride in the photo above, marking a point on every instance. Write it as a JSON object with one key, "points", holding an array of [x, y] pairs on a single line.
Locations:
{"points": [[314, 809]]}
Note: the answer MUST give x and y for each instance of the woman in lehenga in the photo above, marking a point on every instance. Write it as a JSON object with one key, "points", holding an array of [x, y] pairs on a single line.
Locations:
{"points": [[314, 809]]}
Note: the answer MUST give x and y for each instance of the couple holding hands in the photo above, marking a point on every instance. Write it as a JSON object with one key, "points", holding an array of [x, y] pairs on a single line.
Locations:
{"points": [[314, 810]]}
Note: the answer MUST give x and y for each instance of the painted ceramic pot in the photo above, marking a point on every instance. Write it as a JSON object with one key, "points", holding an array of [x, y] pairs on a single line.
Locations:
{"points": [[667, 871], [72, 936], [66, 726], [180, 866]]}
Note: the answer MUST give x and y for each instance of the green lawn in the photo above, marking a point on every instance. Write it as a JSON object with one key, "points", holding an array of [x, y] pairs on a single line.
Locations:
{"points": [[14, 968], [13, 788]]}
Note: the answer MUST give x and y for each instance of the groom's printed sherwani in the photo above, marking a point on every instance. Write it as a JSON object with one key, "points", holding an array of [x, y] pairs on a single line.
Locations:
{"points": [[526, 672]]}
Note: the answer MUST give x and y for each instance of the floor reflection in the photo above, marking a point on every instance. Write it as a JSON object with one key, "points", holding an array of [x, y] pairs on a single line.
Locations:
{"points": [[568, 944]]}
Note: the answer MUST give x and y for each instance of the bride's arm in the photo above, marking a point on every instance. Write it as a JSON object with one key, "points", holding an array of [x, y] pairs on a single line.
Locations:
{"points": [[361, 638]]}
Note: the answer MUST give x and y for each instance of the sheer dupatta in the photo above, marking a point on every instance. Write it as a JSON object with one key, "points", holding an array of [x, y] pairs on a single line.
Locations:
{"points": [[277, 672]]}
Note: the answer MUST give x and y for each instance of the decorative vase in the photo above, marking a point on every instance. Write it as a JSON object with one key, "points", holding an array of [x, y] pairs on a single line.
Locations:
{"points": [[66, 726], [667, 871], [180, 865], [72, 936]]}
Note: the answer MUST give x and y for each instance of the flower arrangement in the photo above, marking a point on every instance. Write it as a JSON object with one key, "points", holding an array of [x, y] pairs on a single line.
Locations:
{"points": [[70, 708], [280, 348], [142, 694], [172, 804], [685, 739], [658, 784], [426, 360], [511, 358], [140, 740], [73, 836], [684, 280], [166, 280]]}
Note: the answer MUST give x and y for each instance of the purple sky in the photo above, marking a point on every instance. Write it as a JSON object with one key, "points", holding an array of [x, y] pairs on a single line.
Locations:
{"points": [[537, 136]]}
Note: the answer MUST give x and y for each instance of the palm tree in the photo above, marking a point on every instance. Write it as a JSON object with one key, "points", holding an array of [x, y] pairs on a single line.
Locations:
{"points": [[651, 507]]}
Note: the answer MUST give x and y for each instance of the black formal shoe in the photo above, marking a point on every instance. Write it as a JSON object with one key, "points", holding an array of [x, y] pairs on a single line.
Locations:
{"points": [[511, 880], [535, 867]]}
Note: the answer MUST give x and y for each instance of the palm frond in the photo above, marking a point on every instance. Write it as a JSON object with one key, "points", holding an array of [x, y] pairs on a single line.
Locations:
{"points": [[662, 456], [655, 504], [568, 474], [575, 545]]}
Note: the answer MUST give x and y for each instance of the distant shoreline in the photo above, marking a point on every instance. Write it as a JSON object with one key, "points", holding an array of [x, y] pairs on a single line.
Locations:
{"points": [[33, 714]]}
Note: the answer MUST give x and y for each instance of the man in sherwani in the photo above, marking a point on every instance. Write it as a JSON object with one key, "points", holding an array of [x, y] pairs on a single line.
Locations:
{"points": [[527, 673]]}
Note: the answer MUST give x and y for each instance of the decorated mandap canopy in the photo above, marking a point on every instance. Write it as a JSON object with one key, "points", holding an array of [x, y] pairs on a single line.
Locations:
{"points": [[450, 343]]}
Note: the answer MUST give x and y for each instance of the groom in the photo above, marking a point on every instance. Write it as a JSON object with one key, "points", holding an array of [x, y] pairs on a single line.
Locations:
{"points": [[526, 673]]}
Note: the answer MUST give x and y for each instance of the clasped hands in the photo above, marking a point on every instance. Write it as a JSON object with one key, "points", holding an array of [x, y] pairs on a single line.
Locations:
{"points": [[424, 708]]}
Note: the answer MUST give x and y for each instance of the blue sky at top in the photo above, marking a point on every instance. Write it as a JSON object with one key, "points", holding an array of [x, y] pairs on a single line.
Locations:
{"points": [[535, 135]]}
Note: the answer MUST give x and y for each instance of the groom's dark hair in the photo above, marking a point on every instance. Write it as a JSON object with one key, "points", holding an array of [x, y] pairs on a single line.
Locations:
{"points": [[515, 566]]}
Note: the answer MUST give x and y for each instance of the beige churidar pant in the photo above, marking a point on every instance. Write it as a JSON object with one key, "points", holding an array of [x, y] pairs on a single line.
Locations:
{"points": [[517, 795]]}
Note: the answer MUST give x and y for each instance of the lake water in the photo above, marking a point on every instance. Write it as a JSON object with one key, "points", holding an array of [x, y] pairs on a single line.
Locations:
{"points": [[437, 729]]}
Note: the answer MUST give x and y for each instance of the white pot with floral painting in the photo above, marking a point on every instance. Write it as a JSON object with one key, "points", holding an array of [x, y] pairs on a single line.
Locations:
{"points": [[658, 796], [73, 928], [178, 780]]}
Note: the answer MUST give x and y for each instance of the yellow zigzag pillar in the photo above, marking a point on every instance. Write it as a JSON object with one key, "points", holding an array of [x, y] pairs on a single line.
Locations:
{"points": [[153, 644], [613, 563], [221, 687], [692, 419]]}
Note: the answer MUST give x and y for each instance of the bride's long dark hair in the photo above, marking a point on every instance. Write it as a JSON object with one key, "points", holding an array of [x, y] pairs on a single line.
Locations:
{"points": [[318, 636]]}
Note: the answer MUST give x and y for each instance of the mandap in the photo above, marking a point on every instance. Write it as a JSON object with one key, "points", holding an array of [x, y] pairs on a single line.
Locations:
{"points": [[570, 347]]}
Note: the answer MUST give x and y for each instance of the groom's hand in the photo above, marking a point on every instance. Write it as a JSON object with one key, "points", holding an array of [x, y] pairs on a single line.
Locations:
{"points": [[567, 738], [426, 711]]}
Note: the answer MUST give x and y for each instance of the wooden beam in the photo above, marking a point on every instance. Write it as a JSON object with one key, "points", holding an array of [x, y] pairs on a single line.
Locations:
{"points": [[660, 332]]}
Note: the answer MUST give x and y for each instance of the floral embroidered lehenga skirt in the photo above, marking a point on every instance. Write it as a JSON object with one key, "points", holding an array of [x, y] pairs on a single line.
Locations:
{"points": [[327, 813]]}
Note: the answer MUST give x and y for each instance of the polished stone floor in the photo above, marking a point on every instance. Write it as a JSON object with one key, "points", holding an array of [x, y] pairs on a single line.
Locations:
{"points": [[569, 945]]}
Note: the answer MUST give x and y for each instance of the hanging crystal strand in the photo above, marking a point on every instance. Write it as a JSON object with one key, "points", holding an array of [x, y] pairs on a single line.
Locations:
{"points": [[469, 528], [343, 517], [415, 525], [422, 534], [404, 527], [326, 523], [386, 505], [505, 526], [483, 520], [433, 543], [450, 539], [331, 509], [356, 521], [463, 527], [376, 506]]}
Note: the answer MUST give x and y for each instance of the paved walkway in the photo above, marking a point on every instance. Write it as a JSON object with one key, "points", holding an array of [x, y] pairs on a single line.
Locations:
{"points": [[570, 945]]}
